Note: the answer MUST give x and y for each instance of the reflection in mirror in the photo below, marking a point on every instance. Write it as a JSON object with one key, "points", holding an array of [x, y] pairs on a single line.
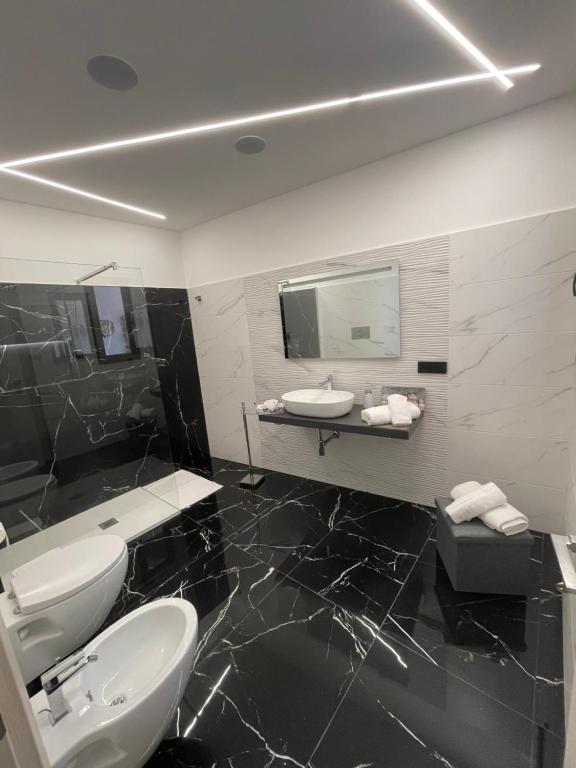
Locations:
{"points": [[349, 313]]}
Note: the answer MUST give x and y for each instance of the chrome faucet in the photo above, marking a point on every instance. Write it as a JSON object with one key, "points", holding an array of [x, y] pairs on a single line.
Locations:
{"points": [[53, 680], [329, 381]]}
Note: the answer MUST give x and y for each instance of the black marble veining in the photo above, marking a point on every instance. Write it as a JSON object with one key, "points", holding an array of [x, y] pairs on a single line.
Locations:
{"points": [[330, 637], [99, 394]]}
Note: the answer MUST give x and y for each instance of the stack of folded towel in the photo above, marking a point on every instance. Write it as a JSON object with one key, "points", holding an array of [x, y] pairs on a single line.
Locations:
{"points": [[488, 503], [399, 411], [270, 406]]}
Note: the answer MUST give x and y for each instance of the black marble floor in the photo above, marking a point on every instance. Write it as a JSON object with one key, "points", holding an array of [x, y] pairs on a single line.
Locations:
{"points": [[330, 637]]}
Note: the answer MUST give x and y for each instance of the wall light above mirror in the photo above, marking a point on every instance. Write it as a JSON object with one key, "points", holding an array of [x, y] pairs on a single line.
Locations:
{"points": [[348, 313]]}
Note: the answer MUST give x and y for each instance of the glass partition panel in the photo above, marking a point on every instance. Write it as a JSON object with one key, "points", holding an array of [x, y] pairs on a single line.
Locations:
{"points": [[82, 411]]}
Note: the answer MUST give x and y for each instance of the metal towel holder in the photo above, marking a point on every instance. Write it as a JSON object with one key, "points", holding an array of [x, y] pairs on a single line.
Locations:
{"points": [[252, 479]]}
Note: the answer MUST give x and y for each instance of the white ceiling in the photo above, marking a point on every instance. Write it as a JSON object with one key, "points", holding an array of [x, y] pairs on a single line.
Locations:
{"points": [[203, 60]]}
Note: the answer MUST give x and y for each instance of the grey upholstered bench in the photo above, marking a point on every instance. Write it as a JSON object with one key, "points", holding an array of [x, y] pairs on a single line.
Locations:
{"points": [[479, 559]]}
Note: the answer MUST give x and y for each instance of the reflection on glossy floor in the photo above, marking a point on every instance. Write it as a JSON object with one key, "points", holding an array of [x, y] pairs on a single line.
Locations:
{"points": [[330, 637]]}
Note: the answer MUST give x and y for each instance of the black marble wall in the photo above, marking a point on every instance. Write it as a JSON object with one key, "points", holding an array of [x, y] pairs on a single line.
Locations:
{"points": [[99, 394], [171, 330]]}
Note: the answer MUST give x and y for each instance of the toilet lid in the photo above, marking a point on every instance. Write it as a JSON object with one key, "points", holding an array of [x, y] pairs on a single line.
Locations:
{"points": [[17, 490], [10, 472], [64, 571]]}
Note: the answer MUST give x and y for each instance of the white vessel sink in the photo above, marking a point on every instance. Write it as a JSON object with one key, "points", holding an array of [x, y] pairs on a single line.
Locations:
{"points": [[122, 704], [322, 403]]}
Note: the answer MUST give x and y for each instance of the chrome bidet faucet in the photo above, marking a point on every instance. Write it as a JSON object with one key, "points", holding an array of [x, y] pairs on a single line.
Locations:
{"points": [[53, 680]]}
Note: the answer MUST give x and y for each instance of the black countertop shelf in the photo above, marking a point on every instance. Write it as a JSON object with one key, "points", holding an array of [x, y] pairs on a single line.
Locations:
{"points": [[349, 423]]}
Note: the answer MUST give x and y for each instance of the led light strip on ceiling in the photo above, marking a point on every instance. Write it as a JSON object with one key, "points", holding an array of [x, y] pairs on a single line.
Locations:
{"points": [[195, 130], [491, 73], [82, 193], [464, 42]]}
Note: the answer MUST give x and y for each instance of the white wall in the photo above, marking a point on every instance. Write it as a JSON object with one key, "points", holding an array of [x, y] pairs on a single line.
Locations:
{"points": [[511, 362], [238, 336], [29, 232], [508, 417], [504, 413], [517, 166]]}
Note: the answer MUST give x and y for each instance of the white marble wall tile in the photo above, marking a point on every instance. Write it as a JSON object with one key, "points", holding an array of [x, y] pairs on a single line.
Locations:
{"points": [[543, 506], [222, 399], [512, 352], [506, 457], [511, 410], [523, 305], [545, 359], [225, 361], [538, 245], [224, 298], [212, 330]]}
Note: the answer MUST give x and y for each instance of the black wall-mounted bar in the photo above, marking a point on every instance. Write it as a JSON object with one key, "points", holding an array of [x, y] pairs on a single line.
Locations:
{"points": [[429, 366]]}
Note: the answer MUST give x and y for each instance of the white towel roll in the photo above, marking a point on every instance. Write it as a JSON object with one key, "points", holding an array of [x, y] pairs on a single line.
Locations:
{"points": [[474, 504], [379, 414]]}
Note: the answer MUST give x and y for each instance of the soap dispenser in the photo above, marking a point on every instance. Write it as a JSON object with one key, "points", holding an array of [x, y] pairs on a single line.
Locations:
{"points": [[368, 398]]}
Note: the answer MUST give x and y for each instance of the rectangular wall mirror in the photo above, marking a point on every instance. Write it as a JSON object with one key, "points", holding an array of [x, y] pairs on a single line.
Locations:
{"points": [[351, 313]]}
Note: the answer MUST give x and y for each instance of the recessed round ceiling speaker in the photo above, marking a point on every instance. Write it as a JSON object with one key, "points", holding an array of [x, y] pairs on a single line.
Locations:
{"points": [[250, 145], [112, 72]]}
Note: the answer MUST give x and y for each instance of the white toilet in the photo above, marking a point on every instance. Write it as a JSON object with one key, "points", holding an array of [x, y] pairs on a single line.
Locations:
{"points": [[57, 601]]}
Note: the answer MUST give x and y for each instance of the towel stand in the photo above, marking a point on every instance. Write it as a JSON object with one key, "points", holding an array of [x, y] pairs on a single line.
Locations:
{"points": [[252, 479]]}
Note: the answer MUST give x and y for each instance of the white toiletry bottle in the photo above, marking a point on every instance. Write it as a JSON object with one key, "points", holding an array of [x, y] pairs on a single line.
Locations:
{"points": [[368, 398]]}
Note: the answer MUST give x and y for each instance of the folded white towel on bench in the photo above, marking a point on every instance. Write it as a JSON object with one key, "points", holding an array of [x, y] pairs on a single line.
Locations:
{"points": [[505, 518], [476, 503]]}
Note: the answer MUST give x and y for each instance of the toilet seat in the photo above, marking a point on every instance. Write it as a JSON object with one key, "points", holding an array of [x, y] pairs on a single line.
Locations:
{"points": [[18, 490], [10, 472], [64, 571]]}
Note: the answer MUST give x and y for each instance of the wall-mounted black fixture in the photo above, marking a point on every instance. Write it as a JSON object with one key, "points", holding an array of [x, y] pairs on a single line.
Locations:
{"points": [[430, 366]]}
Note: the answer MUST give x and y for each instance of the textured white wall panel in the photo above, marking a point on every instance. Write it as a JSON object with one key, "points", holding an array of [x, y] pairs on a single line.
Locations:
{"points": [[414, 470]]}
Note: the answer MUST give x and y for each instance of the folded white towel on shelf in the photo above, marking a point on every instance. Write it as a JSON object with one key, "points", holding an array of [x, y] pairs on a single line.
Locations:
{"points": [[474, 504], [380, 414], [399, 411], [270, 406], [506, 519]]}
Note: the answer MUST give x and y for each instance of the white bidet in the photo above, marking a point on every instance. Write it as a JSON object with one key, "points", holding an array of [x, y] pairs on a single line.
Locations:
{"points": [[122, 692]]}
